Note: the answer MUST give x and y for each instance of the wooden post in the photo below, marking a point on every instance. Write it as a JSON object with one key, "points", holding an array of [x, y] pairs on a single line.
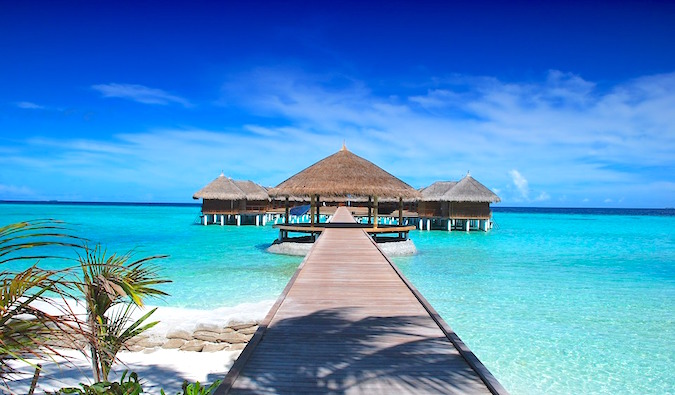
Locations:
{"points": [[400, 211], [287, 211], [370, 204], [312, 202], [222, 220], [375, 212], [238, 219], [206, 219], [318, 211]]}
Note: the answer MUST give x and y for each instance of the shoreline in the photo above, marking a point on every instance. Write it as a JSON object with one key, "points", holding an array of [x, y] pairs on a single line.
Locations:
{"points": [[391, 249], [158, 366]]}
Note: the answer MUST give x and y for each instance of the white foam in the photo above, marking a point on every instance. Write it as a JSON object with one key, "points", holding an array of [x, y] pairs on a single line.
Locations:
{"points": [[174, 318], [290, 248], [398, 248], [392, 248]]}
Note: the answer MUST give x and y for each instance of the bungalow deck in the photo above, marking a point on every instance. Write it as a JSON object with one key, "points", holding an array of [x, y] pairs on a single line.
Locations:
{"points": [[349, 322]]}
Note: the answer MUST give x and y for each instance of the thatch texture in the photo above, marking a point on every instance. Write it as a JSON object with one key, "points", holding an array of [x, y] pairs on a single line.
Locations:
{"points": [[222, 188], [470, 190], [435, 191], [341, 174], [252, 190]]}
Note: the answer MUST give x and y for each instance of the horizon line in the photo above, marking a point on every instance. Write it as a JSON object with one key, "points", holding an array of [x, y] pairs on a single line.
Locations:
{"points": [[127, 203]]}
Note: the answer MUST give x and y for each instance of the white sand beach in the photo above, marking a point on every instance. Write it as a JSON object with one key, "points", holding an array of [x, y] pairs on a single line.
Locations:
{"points": [[157, 367]]}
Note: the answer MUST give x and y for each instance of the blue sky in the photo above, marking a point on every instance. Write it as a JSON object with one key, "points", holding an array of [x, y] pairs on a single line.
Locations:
{"points": [[548, 104]]}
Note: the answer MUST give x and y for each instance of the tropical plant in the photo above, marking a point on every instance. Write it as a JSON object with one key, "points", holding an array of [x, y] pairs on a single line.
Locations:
{"points": [[26, 328], [112, 286], [126, 386], [196, 388]]}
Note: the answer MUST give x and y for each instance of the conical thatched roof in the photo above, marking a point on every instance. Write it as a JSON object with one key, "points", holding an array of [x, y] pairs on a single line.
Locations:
{"points": [[252, 190], [470, 190], [344, 173], [222, 188], [435, 191]]}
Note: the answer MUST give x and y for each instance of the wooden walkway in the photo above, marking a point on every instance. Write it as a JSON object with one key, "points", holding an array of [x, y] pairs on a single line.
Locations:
{"points": [[349, 322]]}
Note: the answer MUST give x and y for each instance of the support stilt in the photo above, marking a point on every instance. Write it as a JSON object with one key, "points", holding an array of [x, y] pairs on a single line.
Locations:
{"points": [[312, 203], [286, 210], [400, 211], [375, 219]]}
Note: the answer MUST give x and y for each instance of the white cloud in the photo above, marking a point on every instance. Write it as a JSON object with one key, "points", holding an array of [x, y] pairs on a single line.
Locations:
{"points": [[15, 192], [522, 187], [542, 197], [139, 93], [29, 105], [521, 184], [559, 136]]}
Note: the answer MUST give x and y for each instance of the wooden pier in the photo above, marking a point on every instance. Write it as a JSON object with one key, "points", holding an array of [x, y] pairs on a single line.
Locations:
{"points": [[349, 322]]}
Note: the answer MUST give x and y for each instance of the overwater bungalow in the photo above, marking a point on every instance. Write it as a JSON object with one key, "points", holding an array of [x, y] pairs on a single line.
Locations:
{"points": [[228, 201], [456, 205], [342, 177]]}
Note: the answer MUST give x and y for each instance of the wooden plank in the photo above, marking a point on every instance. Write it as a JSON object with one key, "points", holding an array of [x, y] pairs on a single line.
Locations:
{"points": [[349, 322]]}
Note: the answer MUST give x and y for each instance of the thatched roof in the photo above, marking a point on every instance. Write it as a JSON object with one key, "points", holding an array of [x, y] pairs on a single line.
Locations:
{"points": [[435, 191], [470, 190], [252, 190], [224, 188], [344, 173]]}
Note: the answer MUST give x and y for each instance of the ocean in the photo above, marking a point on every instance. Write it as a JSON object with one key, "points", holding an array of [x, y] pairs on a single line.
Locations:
{"points": [[553, 301]]}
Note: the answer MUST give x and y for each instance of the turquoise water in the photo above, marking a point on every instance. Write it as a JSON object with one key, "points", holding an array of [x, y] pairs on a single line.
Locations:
{"points": [[554, 303], [559, 304], [210, 266]]}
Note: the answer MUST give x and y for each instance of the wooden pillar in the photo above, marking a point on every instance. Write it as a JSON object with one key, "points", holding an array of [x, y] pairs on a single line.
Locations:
{"points": [[287, 211], [238, 216], [375, 212], [257, 220], [318, 211], [400, 211], [222, 220], [370, 204], [312, 203], [206, 219]]}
